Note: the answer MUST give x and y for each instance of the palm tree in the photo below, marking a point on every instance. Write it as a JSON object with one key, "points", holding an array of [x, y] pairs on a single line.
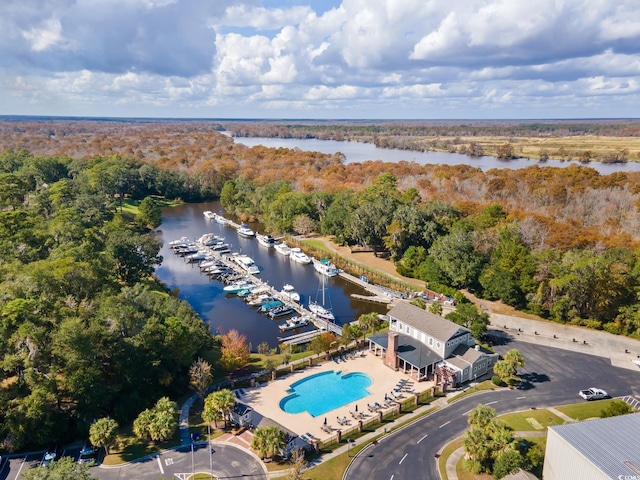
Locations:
{"points": [[210, 413], [268, 441], [481, 416], [103, 432], [223, 401], [502, 369], [476, 444], [200, 376], [514, 359], [369, 321]]}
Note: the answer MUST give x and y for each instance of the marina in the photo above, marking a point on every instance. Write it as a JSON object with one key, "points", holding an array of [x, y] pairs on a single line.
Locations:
{"points": [[201, 283]]}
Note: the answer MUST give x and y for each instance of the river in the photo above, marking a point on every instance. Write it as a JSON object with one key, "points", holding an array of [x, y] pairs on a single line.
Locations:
{"points": [[223, 312], [361, 152]]}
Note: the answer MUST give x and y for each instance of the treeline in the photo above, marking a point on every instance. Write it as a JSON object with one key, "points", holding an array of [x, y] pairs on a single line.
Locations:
{"points": [[84, 332], [352, 130], [489, 250]]}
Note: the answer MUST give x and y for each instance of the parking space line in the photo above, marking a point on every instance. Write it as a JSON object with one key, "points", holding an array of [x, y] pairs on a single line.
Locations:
{"points": [[160, 464]]}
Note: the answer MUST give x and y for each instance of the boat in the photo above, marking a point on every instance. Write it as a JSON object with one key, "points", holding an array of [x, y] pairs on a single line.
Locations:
{"points": [[259, 300], [221, 247], [220, 219], [209, 214], [199, 256], [187, 250], [239, 285], [321, 309], [299, 256], [181, 242], [266, 240], [290, 292], [293, 323], [247, 264], [209, 239], [245, 231], [267, 306], [280, 311], [282, 248], [325, 267]]}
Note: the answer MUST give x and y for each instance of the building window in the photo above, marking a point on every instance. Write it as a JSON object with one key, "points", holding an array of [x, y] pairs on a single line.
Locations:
{"points": [[438, 345], [399, 326], [408, 330], [430, 341]]}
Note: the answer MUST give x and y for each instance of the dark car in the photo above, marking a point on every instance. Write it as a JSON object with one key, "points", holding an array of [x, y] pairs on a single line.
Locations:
{"points": [[88, 454]]}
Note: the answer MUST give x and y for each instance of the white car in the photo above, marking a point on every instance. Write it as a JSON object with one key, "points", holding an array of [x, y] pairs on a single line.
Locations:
{"points": [[593, 394]]}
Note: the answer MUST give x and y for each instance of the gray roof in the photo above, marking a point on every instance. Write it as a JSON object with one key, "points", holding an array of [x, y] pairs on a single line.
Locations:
{"points": [[436, 326], [410, 350], [520, 475], [611, 444]]}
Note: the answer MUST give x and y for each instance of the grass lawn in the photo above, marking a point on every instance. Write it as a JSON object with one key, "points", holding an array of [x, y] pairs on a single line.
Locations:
{"points": [[544, 418], [486, 385], [584, 410], [446, 453], [128, 447]]}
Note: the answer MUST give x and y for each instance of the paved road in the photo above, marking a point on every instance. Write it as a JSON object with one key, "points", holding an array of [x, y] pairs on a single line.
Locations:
{"points": [[226, 461], [551, 377]]}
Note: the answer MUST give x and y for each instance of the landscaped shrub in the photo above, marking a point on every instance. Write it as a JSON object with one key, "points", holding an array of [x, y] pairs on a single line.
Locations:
{"points": [[496, 380]]}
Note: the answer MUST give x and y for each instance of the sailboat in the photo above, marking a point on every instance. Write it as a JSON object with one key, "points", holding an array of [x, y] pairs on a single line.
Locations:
{"points": [[320, 309]]}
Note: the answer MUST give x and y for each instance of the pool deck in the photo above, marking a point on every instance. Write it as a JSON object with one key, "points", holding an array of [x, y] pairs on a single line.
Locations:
{"points": [[265, 399]]}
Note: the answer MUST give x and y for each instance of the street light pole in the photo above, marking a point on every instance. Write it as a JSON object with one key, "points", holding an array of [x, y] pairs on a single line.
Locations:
{"points": [[210, 459], [349, 442], [193, 471]]}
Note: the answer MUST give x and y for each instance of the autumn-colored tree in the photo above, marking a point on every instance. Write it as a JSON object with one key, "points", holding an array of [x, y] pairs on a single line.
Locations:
{"points": [[235, 351]]}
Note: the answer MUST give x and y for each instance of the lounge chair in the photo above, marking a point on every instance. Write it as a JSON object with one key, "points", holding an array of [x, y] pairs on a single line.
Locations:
{"points": [[312, 437]]}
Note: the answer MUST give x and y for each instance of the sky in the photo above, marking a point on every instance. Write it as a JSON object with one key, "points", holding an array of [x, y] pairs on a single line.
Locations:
{"points": [[324, 59]]}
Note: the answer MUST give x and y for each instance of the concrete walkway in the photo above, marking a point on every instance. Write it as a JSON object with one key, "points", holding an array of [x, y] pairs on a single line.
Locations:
{"points": [[452, 462]]}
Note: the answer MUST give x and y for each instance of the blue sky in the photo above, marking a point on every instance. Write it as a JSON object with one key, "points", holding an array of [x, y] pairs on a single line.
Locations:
{"points": [[414, 59]]}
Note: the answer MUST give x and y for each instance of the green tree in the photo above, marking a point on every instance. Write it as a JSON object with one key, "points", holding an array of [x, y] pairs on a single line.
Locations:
{"points": [[369, 321], [481, 417], [149, 213], [476, 444], [268, 441], [158, 423], [615, 408], [502, 369], [66, 468], [351, 332], [514, 359], [133, 256], [456, 256], [223, 401], [435, 308], [468, 315], [103, 432], [509, 461], [210, 412]]}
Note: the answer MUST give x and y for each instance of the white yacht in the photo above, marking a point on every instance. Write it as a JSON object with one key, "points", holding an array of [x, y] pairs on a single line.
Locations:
{"points": [[325, 267], [321, 307], [247, 264], [266, 240], [293, 323], [282, 248], [220, 219], [209, 214], [299, 256], [289, 291], [245, 231]]}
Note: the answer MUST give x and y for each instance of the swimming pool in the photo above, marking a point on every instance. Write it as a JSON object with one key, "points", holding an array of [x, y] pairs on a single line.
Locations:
{"points": [[326, 391]]}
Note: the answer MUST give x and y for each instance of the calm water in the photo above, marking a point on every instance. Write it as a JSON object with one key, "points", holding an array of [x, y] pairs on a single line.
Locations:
{"points": [[361, 152], [223, 311], [326, 391]]}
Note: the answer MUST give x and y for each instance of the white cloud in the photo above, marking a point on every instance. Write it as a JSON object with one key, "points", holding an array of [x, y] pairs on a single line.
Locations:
{"points": [[45, 35], [383, 56]]}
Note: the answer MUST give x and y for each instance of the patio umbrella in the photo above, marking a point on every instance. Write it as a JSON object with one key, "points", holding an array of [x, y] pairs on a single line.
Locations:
{"points": [[385, 397], [325, 420], [356, 407]]}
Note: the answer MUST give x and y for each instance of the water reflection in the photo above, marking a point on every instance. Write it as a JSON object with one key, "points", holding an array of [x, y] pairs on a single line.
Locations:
{"points": [[361, 152], [222, 311]]}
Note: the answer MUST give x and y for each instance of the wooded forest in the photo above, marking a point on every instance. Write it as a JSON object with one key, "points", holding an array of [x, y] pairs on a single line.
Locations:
{"points": [[76, 298]]}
